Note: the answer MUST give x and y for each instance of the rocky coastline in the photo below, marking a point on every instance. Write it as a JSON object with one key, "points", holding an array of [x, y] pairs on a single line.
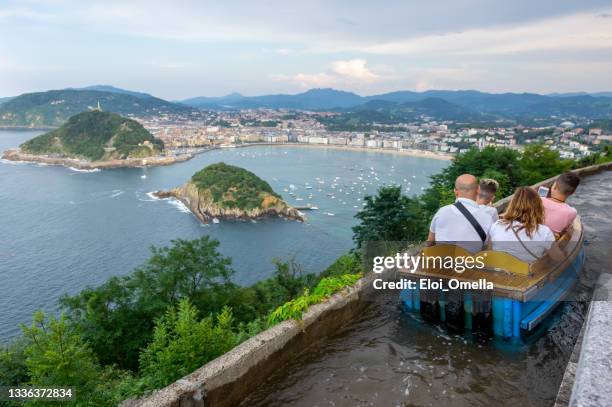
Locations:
{"points": [[18, 155], [206, 210]]}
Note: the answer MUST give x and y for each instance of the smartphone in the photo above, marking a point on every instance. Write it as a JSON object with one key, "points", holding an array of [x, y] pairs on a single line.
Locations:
{"points": [[543, 192]]}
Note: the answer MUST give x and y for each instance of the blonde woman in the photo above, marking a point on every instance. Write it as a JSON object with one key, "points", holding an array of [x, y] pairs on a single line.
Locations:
{"points": [[520, 231]]}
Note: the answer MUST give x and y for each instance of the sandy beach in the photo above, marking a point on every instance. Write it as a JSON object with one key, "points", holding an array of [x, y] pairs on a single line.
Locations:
{"points": [[412, 153]]}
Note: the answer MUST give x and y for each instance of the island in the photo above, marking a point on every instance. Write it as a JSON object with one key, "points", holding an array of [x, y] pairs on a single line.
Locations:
{"points": [[222, 191], [96, 139]]}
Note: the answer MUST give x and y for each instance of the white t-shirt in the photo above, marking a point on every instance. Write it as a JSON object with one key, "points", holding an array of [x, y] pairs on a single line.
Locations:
{"points": [[491, 211], [449, 225], [503, 239]]}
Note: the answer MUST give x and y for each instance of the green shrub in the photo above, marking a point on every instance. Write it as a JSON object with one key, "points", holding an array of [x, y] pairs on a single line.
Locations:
{"points": [[295, 308], [349, 263], [57, 356], [182, 343]]}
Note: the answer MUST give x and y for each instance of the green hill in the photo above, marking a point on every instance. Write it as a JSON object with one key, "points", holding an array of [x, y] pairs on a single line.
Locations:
{"points": [[234, 187], [53, 108], [95, 136]]}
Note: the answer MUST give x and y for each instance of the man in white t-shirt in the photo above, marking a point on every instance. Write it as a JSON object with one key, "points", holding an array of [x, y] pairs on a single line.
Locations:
{"points": [[450, 225]]}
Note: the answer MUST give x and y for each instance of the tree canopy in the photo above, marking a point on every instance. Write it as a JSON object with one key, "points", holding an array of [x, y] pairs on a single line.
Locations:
{"points": [[88, 134], [233, 187]]}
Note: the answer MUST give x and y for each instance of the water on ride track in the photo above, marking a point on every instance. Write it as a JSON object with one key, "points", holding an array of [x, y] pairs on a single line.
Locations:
{"points": [[388, 358]]}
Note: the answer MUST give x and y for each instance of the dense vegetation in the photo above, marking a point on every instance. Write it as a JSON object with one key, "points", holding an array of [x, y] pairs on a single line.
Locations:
{"points": [[180, 309], [54, 107], [233, 187], [173, 314], [393, 217], [87, 134]]}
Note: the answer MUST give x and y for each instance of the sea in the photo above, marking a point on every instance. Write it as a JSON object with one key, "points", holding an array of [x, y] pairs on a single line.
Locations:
{"points": [[63, 229]]}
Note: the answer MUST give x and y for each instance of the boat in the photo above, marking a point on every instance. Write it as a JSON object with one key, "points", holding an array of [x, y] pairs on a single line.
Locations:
{"points": [[215, 220], [143, 176], [522, 296]]}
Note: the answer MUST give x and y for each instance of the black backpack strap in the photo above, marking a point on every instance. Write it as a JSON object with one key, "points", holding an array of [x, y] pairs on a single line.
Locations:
{"points": [[472, 220], [521, 242]]}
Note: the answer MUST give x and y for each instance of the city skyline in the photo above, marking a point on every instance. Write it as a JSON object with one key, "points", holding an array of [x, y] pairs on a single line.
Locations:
{"points": [[207, 49]]}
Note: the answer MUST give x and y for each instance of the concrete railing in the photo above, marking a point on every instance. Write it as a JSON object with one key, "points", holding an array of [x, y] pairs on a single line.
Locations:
{"points": [[227, 380], [502, 204], [594, 367]]}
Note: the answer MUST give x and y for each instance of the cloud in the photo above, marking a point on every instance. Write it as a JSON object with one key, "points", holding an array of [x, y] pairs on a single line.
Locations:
{"points": [[484, 44], [342, 73], [354, 69], [307, 81], [582, 31]]}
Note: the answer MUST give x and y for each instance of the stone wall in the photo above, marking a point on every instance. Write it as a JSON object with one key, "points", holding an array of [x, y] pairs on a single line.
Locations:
{"points": [[226, 380]]}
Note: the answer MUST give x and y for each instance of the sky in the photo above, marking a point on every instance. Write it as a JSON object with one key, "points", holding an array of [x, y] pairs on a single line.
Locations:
{"points": [[179, 49]]}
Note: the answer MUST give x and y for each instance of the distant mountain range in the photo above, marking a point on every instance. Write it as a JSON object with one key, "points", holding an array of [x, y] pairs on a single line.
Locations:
{"points": [[510, 105], [314, 99], [54, 107], [112, 89], [605, 94]]}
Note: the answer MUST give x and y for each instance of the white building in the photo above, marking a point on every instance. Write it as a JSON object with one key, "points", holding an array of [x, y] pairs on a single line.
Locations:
{"points": [[338, 140], [357, 142], [318, 140]]}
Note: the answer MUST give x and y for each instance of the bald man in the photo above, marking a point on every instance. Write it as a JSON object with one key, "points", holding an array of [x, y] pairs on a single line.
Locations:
{"points": [[463, 223]]}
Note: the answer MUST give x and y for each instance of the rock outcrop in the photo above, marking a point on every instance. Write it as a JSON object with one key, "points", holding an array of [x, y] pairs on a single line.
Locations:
{"points": [[202, 205]]}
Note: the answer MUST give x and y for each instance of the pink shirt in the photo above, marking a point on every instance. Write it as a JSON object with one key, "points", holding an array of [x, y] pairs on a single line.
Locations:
{"points": [[557, 215]]}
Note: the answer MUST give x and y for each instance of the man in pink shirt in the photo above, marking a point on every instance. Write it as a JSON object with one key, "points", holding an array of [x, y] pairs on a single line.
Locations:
{"points": [[558, 215]]}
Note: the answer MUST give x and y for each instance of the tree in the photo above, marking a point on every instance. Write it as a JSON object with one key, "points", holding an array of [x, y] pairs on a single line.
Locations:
{"points": [[389, 217], [499, 163], [599, 157], [478, 162], [182, 343], [291, 277], [192, 269], [13, 370], [346, 264], [538, 162], [255, 302], [57, 356], [117, 318]]}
